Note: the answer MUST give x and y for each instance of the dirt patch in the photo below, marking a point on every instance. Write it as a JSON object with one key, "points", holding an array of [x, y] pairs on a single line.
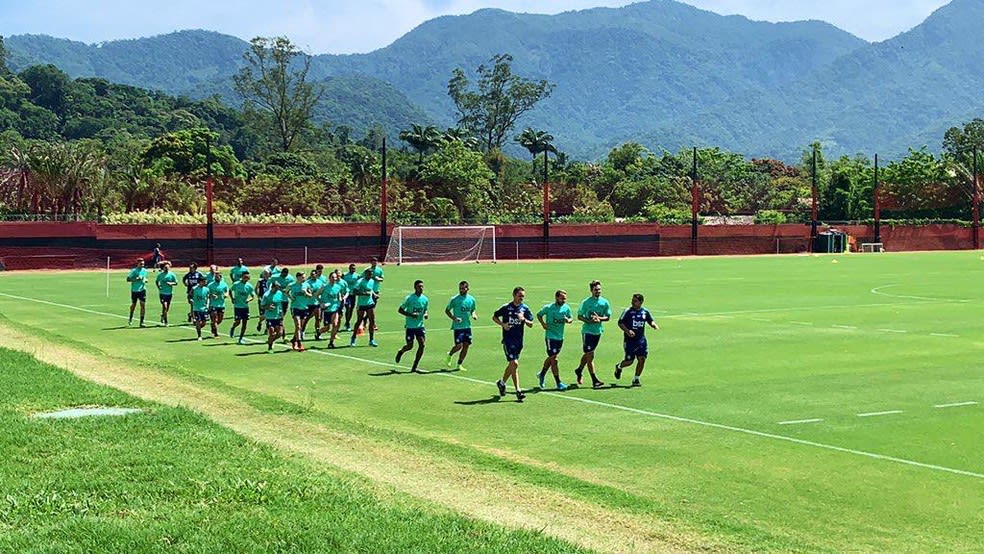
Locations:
{"points": [[470, 491]]}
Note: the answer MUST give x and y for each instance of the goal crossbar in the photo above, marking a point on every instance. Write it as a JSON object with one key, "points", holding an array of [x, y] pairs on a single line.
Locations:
{"points": [[473, 243]]}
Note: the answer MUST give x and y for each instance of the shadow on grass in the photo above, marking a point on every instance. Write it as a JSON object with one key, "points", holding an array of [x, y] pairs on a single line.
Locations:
{"points": [[263, 353], [494, 399], [189, 339], [410, 372]]}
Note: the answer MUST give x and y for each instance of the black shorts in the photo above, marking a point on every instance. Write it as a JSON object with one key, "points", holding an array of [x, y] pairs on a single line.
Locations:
{"points": [[284, 307], [512, 350], [636, 349], [200, 316], [350, 301], [554, 346], [412, 334], [463, 336], [220, 311], [166, 298], [242, 314], [141, 296], [367, 308], [327, 313], [271, 323], [589, 342], [302, 313]]}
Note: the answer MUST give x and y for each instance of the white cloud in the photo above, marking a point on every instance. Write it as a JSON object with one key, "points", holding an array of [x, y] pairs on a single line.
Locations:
{"points": [[345, 26]]}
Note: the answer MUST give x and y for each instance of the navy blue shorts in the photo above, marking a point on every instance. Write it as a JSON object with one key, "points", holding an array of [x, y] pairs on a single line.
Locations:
{"points": [[350, 301], [636, 349], [302, 313], [554, 346], [367, 308], [412, 334], [220, 311], [141, 296], [284, 307], [463, 336], [271, 323], [589, 342], [512, 350], [166, 298], [200, 316], [242, 314]]}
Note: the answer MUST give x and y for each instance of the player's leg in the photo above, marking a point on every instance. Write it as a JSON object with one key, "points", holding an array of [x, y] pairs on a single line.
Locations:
{"points": [[143, 307], [335, 320], [199, 319], [359, 319], [407, 346], [547, 364], [133, 306], [371, 325], [273, 333], [640, 366], [349, 306], [420, 349]]}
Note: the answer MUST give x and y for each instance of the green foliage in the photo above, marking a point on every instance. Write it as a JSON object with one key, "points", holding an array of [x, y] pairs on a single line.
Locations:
{"points": [[275, 90], [191, 153], [770, 217], [665, 215], [491, 111], [459, 174]]}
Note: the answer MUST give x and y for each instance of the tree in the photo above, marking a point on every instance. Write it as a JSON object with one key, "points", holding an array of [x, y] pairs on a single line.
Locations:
{"points": [[49, 87], [459, 174], [491, 112], [536, 141], [422, 139], [4, 70], [275, 89]]}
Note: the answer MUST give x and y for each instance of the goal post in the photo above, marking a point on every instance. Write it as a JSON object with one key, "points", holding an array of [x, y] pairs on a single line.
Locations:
{"points": [[420, 244]]}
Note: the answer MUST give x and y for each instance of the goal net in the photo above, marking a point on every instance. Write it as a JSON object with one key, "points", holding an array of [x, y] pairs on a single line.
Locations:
{"points": [[441, 244]]}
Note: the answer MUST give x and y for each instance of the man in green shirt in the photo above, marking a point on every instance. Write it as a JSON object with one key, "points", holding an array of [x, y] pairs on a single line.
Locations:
{"points": [[317, 286], [284, 281], [331, 306], [461, 311], [272, 306], [199, 304], [166, 281], [138, 290], [377, 282], [241, 293], [593, 311], [300, 295], [365, 294], [350, 279], [217, 291], [553, 317], [236, 271], [414, 309]]}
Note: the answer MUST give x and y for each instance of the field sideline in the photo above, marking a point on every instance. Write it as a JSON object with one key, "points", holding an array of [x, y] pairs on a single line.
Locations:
{"points": [[790, 403]]}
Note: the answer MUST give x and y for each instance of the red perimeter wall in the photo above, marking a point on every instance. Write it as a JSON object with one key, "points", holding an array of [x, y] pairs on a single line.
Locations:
{"points": [[87, 245]]}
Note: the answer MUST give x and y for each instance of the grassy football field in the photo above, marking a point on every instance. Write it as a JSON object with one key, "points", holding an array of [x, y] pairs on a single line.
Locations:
{"points": [[798, 403]]}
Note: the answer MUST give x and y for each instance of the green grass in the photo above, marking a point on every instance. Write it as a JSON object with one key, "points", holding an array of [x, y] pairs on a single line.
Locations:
{"points": [[170, 481], [745, 343]]}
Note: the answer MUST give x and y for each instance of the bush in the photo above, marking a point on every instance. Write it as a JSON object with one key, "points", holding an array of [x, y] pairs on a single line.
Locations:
{"points": [[664, 215], [770, 217], [164, 217]]}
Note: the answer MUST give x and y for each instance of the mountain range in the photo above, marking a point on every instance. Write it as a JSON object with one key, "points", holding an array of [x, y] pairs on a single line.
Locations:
{"points": [[659, 72]]}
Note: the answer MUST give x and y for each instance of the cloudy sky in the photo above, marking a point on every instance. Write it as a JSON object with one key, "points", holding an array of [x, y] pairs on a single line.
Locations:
{"points": [[346, 26]]}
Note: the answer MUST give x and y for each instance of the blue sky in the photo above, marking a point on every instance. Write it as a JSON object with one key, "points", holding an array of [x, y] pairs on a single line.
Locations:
{"points": [[346, 26]]}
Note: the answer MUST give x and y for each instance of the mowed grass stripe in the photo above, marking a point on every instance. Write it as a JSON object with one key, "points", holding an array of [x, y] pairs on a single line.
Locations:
{"points": [[765, 494], [168, 479], [570, 397]]}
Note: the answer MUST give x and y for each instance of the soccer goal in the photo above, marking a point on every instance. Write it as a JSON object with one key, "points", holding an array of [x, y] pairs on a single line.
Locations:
{"points": [[411, 244], [872, 247]]}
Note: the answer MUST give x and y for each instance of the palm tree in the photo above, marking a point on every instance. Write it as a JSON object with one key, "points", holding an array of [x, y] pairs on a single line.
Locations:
{"points": [[422, 139], [462, 136], [536, 141]]}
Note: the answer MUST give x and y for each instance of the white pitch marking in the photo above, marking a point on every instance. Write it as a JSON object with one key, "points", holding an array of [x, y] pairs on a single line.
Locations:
{"points": [[877, 290], [892, 331], [760, 319], [875, 414], [798, 421], [572, 398], [956, 405], [801, 323], [850, 327], [944, 335]]}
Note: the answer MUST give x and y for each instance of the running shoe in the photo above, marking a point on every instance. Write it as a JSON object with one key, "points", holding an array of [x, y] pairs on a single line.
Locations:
{"points": [[597, 385], [373, 343], [502, 388], [540, 377], [636, 383], [520, 396], [618, 371], [449, 360], [561, 387], [579, 373]]}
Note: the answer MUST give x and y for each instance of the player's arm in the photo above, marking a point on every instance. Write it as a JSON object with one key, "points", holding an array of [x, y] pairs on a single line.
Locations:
{"points": [[450, 314], [651, 321], [539, 317], [497, 319], [623, 324], [402, 311], [528, 318], [583, 316]]}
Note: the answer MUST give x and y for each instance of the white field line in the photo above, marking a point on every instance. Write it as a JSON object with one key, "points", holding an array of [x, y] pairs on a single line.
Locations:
{"points": [[849, 327], [956, 405], [804, 323], [876, 414], [944, 335], [877, 290], [571, 398], [799, 421], [892, 331]]}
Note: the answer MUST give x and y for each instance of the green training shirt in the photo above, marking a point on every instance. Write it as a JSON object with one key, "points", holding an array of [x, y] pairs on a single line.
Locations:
{"points": [[240, 294], [556, 318], [218, 291], [167, 282], [199, 299], [462, 307], [271, 304], [591, 306], [418, 305], [138, 279], [364, 289], [236, 272]]}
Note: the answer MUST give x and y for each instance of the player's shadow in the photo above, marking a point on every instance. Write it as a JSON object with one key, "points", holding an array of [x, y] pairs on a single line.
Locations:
{"points": [[494, 399], [125, 327], [612, 386], [214, 344], [408, 372], [189, 339], [263, 353]]}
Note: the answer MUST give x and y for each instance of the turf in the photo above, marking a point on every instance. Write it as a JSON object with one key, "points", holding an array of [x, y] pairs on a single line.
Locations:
{"points": [[746, 345], [169, 481]]}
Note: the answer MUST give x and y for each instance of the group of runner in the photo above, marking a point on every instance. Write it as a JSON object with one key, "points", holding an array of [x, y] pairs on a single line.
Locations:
{"points": [[329, 298]]}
